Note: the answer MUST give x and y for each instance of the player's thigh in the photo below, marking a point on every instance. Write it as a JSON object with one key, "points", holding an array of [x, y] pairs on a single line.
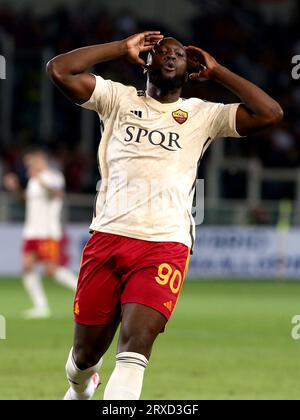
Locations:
{"points": [[99, 287], [150, 295], [139, 328], [48, 254], [28, 261], [97, 311], [157, 281]]}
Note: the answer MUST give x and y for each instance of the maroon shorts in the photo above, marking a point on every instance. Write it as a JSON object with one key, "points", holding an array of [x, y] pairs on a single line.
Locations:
{"points": [[45, 250], [116, 270]]}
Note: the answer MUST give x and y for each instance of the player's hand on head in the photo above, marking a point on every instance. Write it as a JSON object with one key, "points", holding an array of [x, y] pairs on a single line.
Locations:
{"points": [[202, 61], [11, 182], [141, 43]]}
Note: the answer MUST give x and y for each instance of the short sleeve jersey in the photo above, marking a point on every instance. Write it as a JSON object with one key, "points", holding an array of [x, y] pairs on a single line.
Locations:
{"points": [[43, 210], [148, 158]]}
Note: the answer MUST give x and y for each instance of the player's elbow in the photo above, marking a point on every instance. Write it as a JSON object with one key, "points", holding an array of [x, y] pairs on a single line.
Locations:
{"points": [[274, 116], [54, 72]]}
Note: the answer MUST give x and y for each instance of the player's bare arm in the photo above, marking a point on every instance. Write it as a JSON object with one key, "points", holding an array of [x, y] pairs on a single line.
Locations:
{"points": [[69, 71], [55, 193], [258, 111], [11, 183]]}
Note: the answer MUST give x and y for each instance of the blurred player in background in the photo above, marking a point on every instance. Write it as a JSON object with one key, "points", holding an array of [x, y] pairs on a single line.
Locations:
{"points": [[134, 265], [43, 234]]}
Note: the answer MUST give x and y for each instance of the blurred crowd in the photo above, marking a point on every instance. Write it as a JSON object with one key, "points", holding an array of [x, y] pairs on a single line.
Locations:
{"points": [[256, 39]]}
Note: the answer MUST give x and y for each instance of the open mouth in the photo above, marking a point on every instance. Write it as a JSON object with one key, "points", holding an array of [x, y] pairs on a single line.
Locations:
{"points": [[169, 67]]}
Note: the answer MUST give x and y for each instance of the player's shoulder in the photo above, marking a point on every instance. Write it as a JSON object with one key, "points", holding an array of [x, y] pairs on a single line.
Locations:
{"points": [[192, 101], [197, 102], [100, 81], [52, 173], [202, 106], [53, 170]]}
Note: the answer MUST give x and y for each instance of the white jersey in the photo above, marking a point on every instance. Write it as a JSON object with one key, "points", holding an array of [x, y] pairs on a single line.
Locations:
{"points": [[43, 211], [148, 158]]}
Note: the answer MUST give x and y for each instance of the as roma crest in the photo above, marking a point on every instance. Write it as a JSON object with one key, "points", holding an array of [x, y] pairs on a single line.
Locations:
{"points": [[180, 116]]}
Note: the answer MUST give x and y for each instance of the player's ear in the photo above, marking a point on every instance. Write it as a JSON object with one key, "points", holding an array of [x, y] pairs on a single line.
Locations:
{"points": [[149, 62], [146, 67]]}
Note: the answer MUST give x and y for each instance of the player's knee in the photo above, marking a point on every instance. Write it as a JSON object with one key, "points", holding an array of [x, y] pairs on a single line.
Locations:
{"points": [[28, 262], [85, 358], [49, 271], [27, 267], [137, 341]]}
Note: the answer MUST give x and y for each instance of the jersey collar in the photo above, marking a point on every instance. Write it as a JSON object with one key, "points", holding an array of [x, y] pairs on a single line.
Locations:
{"points": [[160, 106]]}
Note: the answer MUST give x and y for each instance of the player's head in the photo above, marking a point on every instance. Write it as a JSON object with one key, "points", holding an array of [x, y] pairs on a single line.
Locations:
{"points": [[35, 160], [167, 65]]}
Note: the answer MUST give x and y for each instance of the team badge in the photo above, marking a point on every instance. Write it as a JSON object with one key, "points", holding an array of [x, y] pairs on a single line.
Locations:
{"points": [[180, 116]]}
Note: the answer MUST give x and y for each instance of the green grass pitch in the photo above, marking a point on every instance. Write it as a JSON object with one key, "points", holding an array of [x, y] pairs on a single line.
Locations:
{"points": [[226, 340]]}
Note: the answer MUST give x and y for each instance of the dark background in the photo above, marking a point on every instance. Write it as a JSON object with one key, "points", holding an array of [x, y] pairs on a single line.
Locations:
{"points": [[256, 39]]}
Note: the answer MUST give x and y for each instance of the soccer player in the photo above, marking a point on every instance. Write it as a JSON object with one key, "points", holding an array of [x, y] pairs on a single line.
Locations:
{"points": [[134, 264], [43, 230]]}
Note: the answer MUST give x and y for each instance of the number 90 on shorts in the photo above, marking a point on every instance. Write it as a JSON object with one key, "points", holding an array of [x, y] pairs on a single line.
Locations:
{"points": [[166, 275]]}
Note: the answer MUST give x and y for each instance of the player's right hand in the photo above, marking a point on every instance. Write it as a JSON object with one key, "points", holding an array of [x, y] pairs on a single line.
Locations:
{"points": [[139, 43], [11, 182]]}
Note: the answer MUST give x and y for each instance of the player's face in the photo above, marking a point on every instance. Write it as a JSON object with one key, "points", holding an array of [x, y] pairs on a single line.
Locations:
{"points": [[34, 164], [168, 67], [29, 165]]}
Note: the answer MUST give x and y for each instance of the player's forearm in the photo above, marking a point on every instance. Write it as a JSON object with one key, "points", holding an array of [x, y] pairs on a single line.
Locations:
{"points": [[51, 191], [55, 193], [255, 99], [80, 60]]}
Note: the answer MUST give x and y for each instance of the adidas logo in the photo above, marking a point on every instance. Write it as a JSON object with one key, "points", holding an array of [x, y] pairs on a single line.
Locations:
{"points": [[169, 305], [137, 113], [76, 309]]}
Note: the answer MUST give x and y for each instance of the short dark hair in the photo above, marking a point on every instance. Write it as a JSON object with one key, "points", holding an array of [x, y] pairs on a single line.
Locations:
{"points": [[36, 150]]}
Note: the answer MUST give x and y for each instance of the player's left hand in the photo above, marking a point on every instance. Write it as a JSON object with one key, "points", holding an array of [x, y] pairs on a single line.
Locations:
{"points": [[203, 62]]}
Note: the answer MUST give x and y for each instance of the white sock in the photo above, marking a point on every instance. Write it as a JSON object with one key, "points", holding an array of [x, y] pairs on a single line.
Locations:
{"points": [[65, 277], [81, 383], [33, 285], [126, 381]]}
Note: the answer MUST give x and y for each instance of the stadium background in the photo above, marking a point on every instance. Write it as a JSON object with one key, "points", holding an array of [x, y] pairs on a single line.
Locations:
{"points": [[234, 335]]}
